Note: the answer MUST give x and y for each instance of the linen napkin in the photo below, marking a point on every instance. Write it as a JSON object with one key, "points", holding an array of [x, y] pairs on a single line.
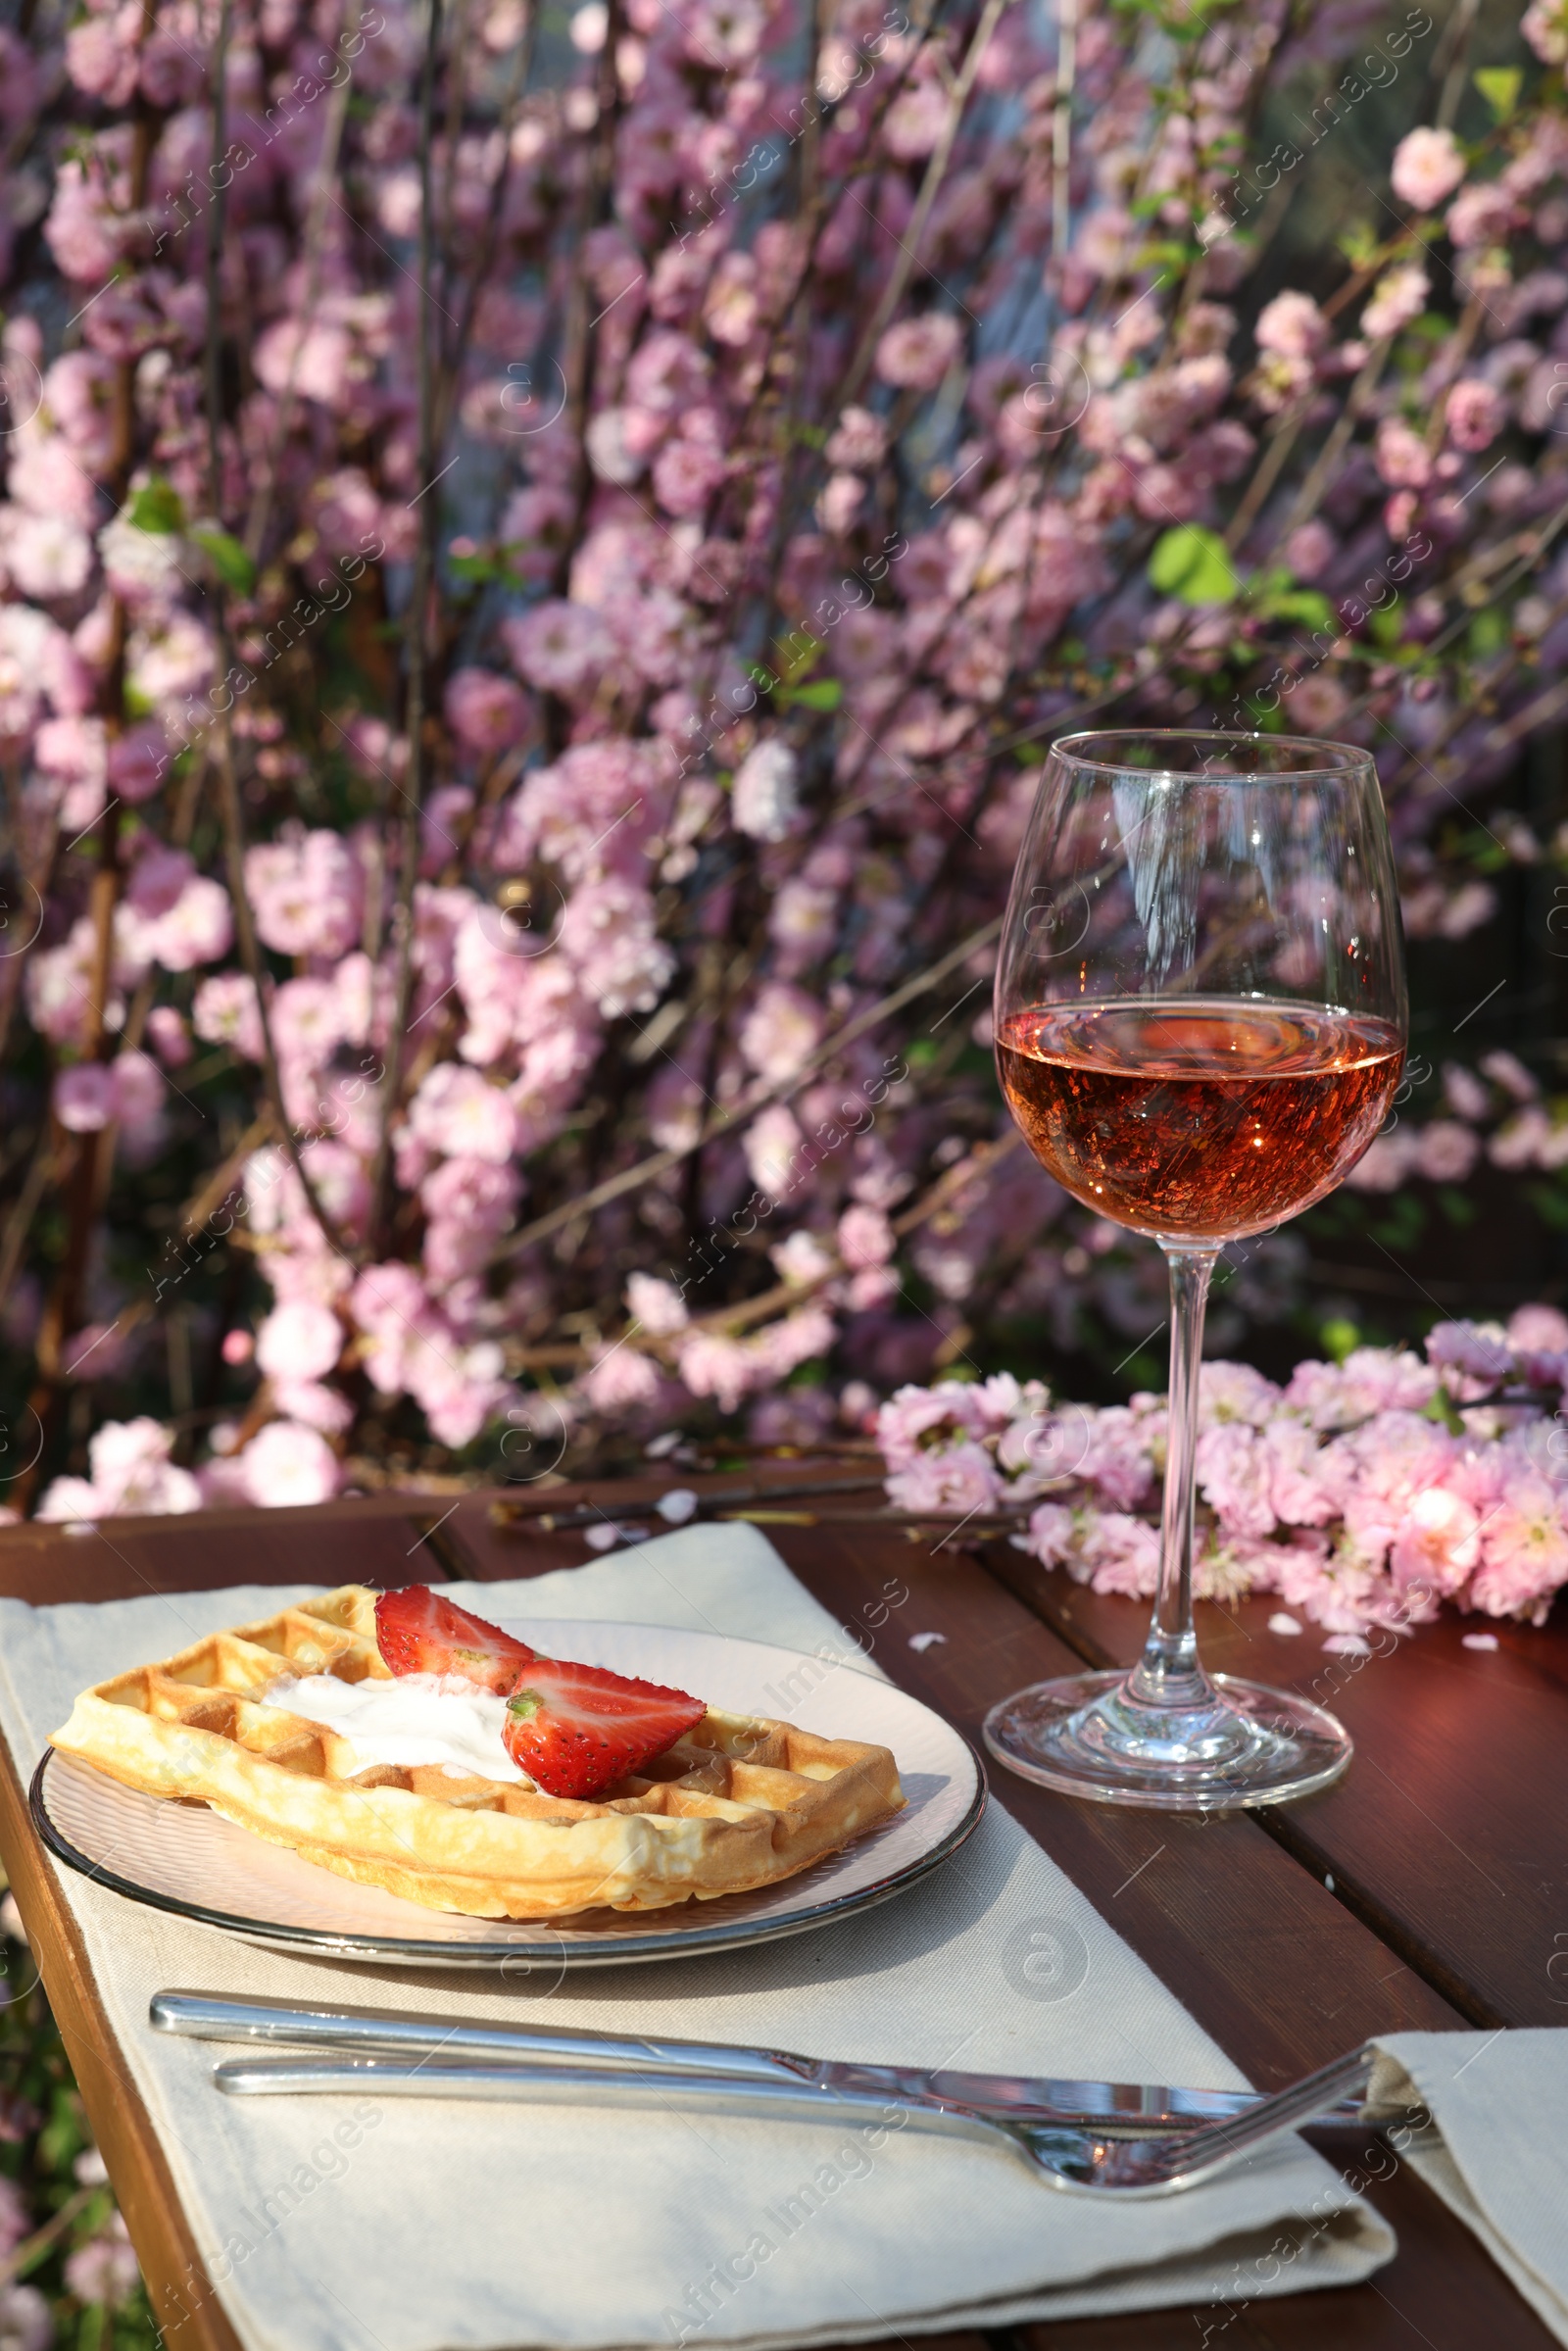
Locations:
{"points": [[1497, 2148], [358, 2225]]}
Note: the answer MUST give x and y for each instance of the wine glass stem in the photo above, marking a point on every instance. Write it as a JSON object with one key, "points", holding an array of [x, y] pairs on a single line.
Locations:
{"points": [[1168, 1673]]}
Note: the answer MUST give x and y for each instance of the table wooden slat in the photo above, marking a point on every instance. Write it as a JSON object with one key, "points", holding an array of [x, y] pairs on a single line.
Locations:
{"points": [[1448, 1832]]}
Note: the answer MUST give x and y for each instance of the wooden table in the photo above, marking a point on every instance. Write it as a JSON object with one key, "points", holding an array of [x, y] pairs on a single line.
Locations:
{"points": [[1428, 1888]]}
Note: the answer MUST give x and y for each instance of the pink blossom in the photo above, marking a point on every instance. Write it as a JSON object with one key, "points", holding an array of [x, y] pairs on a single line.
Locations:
{"points": [[562, 648], [1231, 1391], [455, 1111], [470, 1202], [138, 761], [305, 892], [866, 1238], [1398, 297], [686, 475], [197, 928], [1506, 1071], [771, 1143], [1234, 1475], [1544, 27], [223, 1013], [1475, 415], [725, 1369], [781, 1032], [1537, 1329], [916, 120], [1483, 215], [1292, 325], [1437, 1544], [1401, 454], [83, 231], [1524, 1550], [318, 1407], [669, 374], [1445, 1151], [486, 712], [860, 439], [1428, 165], [102, 62], [169, 1035], [621, 1379], [298, 1342], [1382, 1466], [917, 353], [1300, 1493], [731, 307], [83, 1098], [606, 932], [288, 1466], [1472, 1358], [140, 1096], [1053, 1534], [142, 567], [308, 1023], [1117, 1554], [47, 556], [105, 2268], [764, 800], [1311, 550], [131, 1474], [960, 1479], [1118, 1459], [655, 1305]]}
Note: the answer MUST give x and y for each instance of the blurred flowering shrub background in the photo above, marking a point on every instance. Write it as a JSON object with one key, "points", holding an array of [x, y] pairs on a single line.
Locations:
{"points": [[541, 554]]}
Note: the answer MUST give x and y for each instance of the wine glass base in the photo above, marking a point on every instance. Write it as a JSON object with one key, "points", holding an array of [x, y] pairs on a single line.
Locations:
{"points": [[1087, 1736]]}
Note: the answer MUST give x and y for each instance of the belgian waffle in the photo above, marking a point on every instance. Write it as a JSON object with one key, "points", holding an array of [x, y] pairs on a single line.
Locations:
{"points": [[738, 1802]]}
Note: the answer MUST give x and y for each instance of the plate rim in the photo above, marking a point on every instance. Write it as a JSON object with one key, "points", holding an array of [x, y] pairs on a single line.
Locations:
{"points": [[414, 1953]]}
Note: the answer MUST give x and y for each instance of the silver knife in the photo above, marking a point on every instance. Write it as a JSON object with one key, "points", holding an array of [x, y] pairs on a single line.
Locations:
{"points": [[1007, 2097]]}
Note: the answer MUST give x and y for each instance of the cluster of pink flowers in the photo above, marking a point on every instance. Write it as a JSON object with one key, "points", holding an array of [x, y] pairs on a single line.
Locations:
{"points": [[811, 425], [1362, 1493]]}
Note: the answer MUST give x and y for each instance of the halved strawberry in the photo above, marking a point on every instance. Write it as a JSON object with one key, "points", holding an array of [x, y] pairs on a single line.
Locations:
{"points": [[575, 1729], [417, 1632]]}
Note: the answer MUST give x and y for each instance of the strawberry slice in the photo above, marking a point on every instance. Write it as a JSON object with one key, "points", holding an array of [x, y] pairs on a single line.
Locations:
{"points": [[576, 1728], [417, 1632]]}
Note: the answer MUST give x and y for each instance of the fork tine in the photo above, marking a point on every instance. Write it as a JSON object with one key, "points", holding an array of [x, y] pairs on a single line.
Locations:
{"points": [[1213, 2144]]}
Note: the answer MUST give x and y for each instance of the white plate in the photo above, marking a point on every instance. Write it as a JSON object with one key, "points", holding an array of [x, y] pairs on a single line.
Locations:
{"points": [[185, 1858]]}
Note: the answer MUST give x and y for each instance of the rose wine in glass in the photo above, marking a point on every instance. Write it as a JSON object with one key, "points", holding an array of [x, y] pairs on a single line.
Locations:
{"points": [[1201, 1024]]}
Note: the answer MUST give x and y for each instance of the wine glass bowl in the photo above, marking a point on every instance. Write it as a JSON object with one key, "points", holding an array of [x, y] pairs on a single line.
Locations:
{"points": [[1201, 1024]]}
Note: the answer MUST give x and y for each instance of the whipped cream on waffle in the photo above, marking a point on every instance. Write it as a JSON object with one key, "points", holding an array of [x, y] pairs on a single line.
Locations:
{"points": [[417, 1718]]}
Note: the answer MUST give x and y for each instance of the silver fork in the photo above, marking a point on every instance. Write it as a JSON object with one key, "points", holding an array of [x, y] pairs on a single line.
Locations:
{"points": [[1135, 2109], [1078, 2160]]}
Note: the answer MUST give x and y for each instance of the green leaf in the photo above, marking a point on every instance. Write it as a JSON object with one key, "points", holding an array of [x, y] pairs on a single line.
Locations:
{"points": [[1499, 85], [157, 508], [228, 560], [1340, 1338], [1301, 604], [822, 694], [1194, 565]]}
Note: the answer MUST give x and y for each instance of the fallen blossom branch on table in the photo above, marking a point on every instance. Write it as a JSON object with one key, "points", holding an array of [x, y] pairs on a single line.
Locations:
{"points": [[1363, 1492]]}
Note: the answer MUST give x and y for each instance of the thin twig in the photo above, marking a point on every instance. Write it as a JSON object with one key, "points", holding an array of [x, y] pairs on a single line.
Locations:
{"points": [[233, 820], [413, 787]]}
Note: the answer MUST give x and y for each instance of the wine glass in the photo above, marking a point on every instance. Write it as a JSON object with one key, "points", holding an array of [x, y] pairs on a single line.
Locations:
{"points": [[1200, 1023]]}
